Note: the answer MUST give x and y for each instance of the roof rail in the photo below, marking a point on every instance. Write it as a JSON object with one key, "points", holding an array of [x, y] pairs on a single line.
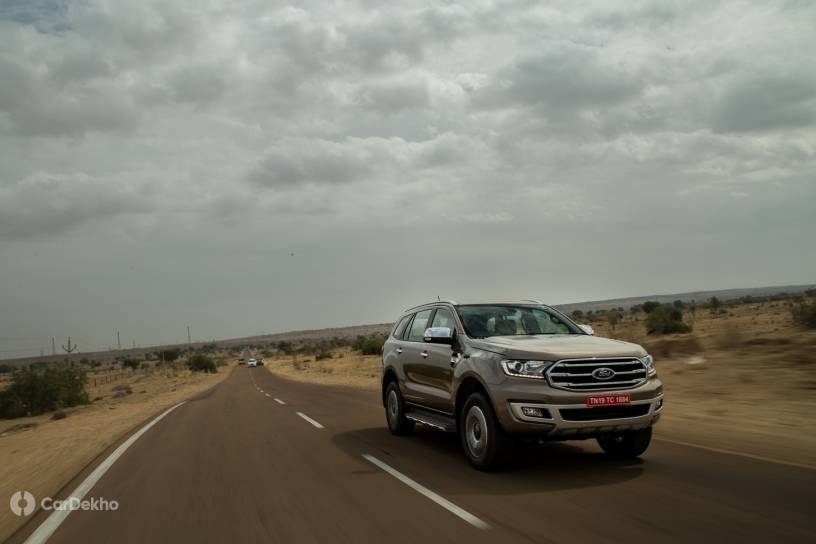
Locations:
{"points": [[448, 301], [533, 301]]}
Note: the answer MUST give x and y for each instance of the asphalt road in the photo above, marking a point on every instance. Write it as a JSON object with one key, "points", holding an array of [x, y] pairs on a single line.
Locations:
{"points": [[235, 465]]}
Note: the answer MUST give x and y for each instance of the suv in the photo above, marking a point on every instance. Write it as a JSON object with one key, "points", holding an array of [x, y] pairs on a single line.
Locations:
{"points": [[492, 372]]}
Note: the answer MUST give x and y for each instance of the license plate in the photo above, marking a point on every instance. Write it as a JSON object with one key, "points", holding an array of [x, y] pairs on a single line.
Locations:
{"points": [[619, 399]]}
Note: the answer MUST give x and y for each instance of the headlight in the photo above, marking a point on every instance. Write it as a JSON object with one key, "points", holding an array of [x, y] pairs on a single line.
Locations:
{"points": [[525, 369], [650, 367]]}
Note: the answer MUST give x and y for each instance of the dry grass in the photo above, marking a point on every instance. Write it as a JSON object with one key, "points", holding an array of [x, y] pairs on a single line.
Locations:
{"points": [[346, 368], [41, 454]]}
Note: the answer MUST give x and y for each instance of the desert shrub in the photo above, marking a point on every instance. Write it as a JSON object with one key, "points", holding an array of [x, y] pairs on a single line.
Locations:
{"points": [[132, 364], [664, 320], [679, 304], [59, 414], [5, 369], [201, 363], [714, 303], [168, 355], [650, 305], [123, 388], [805, 314], [577, 314], [34, 391], [369, 345], [323, 355]]}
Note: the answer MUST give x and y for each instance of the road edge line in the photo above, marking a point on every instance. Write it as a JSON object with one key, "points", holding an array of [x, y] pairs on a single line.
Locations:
{"points": [[738, 454], [47, 528]]}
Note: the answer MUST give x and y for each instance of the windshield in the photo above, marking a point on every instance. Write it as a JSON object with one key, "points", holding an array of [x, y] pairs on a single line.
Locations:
{"points": [[481, 321]]}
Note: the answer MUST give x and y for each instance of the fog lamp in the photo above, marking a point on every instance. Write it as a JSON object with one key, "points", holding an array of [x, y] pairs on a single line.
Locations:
{"points": [[531, 411]]}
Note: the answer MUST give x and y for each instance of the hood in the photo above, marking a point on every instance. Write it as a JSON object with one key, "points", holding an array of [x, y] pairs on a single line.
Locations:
{"points": [[557, 346]]}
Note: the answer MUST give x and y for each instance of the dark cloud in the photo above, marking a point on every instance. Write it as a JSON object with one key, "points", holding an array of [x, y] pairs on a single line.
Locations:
{"points": [[766, 103]]}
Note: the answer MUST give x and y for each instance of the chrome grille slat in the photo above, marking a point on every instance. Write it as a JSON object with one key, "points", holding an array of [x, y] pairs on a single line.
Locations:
{"points": [[576, 374]]}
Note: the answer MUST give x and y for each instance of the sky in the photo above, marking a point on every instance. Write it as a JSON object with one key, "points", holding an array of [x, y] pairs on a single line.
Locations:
{"points": [[254, 167]]}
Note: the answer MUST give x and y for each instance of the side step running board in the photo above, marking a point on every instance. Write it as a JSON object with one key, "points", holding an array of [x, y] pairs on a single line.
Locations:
{"points": [[432, 419]]}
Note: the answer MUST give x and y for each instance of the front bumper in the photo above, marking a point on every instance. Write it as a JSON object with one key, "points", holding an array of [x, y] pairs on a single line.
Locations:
{"points": [[566, 414]]}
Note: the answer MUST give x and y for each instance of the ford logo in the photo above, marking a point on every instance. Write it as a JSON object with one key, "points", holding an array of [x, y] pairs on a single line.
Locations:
{"points": [[603, 373]]}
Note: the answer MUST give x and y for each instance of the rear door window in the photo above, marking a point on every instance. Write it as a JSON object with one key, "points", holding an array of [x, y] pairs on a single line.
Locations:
{"points": [[419, 325]]}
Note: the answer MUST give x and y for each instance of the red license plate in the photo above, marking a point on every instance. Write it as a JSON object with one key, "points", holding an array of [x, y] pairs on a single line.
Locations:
{"points": [[619, 399]]}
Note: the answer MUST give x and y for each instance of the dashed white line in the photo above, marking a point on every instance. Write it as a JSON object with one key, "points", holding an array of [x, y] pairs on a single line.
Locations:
{"points": [[56, 518], [279, 401], [441, 501], [268, 395], [310, 420]]}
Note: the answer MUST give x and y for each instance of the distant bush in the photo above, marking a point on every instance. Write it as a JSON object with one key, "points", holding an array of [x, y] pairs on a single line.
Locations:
{"points": [[323, 355], [805, 314], [5, 369], [664, 320], [714, 303], [34, 391], [201, 363], [168, 355], [650, 305], [59, 414], [368, 345], [132, 364], [577, 314]]}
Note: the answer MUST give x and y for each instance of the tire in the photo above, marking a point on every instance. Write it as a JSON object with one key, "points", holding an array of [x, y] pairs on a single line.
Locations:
{"points": [[398, 424], [626, 444], [486, 444]]}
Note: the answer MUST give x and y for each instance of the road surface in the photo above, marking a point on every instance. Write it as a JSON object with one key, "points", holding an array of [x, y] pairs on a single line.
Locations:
{"points": [[262, 459]]}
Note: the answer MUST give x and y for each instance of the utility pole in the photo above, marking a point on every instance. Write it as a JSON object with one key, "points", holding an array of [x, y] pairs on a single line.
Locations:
{"points": [[189, 343], [134, 344], [118, 341], [68, 347], [53, 347]]}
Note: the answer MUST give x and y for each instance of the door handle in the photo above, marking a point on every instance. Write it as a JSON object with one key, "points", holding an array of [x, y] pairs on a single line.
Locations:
{"points": [[398, 350], [424, 354]]}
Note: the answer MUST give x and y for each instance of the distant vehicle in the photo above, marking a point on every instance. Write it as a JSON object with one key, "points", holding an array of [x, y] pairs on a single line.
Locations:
{"points": [[241, 361], [495, 372], [252, 362], [259, 360]]}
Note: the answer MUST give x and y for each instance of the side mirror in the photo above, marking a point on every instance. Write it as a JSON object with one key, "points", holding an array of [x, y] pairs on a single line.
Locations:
{"points": [[439, 335], [587, 329]]}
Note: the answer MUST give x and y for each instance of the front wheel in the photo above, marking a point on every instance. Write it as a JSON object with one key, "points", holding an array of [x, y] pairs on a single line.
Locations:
{"points": [[395, 411], [626, 444], [486, 444]]}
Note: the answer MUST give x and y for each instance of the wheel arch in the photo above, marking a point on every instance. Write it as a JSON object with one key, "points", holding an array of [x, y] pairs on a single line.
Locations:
{"points": [[390, 375]]}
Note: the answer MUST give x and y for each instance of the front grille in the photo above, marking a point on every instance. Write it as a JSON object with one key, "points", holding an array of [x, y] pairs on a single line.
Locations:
{"points": [[607, 412], [577, 374]]}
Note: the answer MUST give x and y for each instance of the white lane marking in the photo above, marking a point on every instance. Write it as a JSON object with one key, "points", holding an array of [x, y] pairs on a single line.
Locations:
{"points": [[279, 401], [52, 522], [738, 453], [310, 420], [261, 390], [441, 501], [268, 395]]}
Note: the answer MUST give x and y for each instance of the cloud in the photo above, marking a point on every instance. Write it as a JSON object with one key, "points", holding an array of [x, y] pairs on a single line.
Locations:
{"points": [[46, 203]]}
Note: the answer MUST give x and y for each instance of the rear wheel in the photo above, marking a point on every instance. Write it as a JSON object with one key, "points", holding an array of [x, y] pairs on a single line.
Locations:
{"points": [[395, 411], [485, 443], [626, 444]]}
